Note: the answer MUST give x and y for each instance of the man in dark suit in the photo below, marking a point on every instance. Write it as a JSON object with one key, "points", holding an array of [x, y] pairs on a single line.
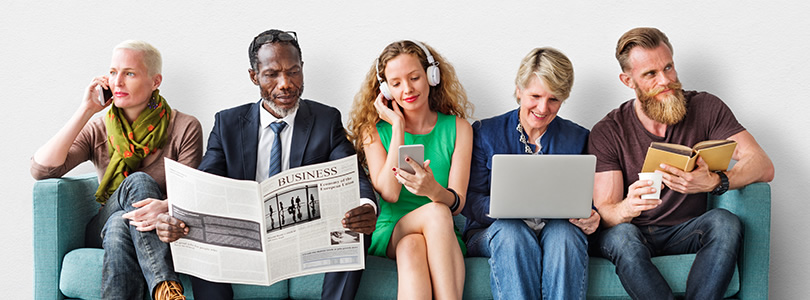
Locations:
{"points": [[281, 131]]}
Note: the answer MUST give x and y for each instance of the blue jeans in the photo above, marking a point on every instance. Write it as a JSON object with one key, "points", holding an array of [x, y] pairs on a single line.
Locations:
{"points": [[715, 236], [131, 258], [525, 266]]}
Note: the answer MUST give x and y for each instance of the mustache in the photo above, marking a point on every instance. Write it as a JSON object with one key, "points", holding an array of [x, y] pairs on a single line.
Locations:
{"points": [[657, 90]]}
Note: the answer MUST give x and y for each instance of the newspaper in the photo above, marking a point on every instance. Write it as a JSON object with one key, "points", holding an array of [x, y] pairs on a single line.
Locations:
{"points": [[260, 233]]}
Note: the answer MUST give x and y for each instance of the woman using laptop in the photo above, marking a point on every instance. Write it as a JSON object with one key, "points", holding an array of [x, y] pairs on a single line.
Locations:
{"points": [[531, 258], [127, 146], [412, 96]]}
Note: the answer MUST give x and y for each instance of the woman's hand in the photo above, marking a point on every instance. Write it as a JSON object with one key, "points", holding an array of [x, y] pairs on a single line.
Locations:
{"points": [[421, 183], [588, 225], [145, 217], [391, 115], [91, 94]]}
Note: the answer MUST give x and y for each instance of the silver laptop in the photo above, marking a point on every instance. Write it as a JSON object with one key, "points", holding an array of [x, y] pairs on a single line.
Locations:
{"points": [[541, 186]]}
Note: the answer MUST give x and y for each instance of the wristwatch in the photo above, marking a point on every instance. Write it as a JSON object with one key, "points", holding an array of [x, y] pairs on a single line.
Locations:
{"points": [[723, 186]]}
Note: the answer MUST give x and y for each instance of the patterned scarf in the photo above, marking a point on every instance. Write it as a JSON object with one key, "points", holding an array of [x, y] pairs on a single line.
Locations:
{"points": [[129, 144]]}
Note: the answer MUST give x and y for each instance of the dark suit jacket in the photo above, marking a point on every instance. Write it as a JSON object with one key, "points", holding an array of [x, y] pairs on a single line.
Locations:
{"points": [[318, 137]]}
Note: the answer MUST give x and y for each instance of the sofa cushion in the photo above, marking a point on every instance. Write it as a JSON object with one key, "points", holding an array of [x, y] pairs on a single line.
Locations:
{"points": [[81, 278], [81, 273], [675, 269], [380, 281]]}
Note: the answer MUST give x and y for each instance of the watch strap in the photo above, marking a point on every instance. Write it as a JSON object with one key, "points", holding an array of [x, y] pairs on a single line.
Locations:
{"points": [[723, 186]]}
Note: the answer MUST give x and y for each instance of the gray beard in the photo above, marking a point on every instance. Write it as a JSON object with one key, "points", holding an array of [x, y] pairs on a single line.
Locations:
{"points": [[280, 111]]}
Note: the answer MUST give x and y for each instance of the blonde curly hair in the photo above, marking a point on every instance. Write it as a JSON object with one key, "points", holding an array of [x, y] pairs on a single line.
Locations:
{"points": [[448, 97]]}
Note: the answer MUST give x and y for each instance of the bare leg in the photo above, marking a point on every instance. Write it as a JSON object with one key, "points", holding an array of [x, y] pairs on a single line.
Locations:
{"points": [[444, 260], [412, 268]]}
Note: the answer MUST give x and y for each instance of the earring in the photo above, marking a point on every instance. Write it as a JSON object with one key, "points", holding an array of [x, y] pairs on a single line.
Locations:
{"points": [[152, 103]]}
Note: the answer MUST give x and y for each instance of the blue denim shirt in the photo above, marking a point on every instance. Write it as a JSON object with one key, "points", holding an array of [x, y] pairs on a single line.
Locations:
{"points": [[497, 135]]}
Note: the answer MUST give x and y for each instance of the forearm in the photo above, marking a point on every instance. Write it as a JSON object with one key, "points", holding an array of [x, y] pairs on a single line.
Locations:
{"points": [[442, 195], [753, 164], [757, 168], [383, 177], [613, 215], [54, 152]]}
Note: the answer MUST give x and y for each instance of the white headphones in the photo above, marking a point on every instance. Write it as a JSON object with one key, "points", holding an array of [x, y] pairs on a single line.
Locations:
{"points": [[433, 75]]}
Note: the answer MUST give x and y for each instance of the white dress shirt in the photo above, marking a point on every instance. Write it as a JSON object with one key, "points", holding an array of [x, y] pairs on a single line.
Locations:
{"points": [[266, 138]]}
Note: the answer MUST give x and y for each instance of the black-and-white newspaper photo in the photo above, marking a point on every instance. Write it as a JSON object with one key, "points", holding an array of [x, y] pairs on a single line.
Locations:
{"points": [[248, 232]]}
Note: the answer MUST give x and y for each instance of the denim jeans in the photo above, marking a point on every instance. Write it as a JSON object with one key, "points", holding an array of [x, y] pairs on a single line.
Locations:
{"points": [[525, 266], [131, 258], [715, 236]]}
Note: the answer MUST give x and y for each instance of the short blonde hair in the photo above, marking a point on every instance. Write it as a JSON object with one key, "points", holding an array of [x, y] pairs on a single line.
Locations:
{"points": [[549, 65], [151, 55]]}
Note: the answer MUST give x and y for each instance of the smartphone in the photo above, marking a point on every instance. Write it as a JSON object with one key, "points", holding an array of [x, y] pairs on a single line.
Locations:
{"points": [[414, 152], [104, 94]]}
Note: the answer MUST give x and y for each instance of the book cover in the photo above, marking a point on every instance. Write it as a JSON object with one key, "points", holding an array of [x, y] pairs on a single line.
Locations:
{"points": [[716, 153]]}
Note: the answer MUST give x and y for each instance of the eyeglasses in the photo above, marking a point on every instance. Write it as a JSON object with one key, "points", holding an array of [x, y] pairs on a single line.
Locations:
{"points": [[281, 36]]}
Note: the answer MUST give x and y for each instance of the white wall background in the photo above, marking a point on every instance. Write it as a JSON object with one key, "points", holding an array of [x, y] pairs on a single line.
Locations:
{"points": [[752, 54]]}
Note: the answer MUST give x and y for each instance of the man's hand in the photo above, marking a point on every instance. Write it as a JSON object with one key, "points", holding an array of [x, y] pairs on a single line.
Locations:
{"points": [[588, 225], [633, 205], [145, 217], [170, 229], [700, 180], [361, 219]]}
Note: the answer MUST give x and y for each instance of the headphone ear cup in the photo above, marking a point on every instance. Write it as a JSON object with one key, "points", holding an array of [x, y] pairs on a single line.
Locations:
{"points": [[384, 90], [433, 75]]}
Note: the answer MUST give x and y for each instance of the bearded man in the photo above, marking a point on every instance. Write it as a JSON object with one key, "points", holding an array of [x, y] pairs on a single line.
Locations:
{"points": [[635, 229]]}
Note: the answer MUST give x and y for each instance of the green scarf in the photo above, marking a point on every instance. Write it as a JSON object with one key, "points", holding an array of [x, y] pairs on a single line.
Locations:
{"points": [[129, 144]]}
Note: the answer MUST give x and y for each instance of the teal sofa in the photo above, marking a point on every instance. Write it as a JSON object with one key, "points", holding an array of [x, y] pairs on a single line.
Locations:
{"points": [[64, 269]]}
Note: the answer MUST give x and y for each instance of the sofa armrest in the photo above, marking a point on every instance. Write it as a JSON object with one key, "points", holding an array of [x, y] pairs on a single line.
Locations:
{"points": [[752, 204], [62, 207]]}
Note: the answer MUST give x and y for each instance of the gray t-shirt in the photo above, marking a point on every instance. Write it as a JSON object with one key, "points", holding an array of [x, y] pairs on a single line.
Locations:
{"points": [[620, 142]]}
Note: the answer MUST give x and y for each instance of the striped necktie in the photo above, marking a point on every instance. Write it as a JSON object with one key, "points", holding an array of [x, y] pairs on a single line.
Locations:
{"points": [[275, 151]]}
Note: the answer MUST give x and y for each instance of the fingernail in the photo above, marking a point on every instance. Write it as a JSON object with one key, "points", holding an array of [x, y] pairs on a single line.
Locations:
{"points": [[407, 159], [394, 169]]}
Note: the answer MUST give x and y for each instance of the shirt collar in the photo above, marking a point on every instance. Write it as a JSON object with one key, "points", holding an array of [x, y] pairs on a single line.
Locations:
{"points": [[265, 117]]}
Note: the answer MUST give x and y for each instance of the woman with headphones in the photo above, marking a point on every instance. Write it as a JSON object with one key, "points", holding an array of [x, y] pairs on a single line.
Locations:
{"points": [[412, 96]]}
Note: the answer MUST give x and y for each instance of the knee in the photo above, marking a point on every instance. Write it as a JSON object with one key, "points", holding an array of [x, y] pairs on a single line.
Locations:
{"points": [[563, 228], [138, 178], [136, 187], [725, 226], [410, 248], [437, 215], [563, 235], [621, 239]]}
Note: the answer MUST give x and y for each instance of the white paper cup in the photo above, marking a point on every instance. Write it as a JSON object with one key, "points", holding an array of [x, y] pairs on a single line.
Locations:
{"points": [[656, 179]]}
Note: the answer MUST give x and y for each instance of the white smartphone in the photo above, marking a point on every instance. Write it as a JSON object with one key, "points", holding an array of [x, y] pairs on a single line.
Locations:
{"points": [[104, 95], [415, 152]]}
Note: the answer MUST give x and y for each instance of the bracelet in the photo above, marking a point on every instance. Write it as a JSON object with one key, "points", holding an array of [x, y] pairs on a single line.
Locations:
{"points": [[456, 203]]}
